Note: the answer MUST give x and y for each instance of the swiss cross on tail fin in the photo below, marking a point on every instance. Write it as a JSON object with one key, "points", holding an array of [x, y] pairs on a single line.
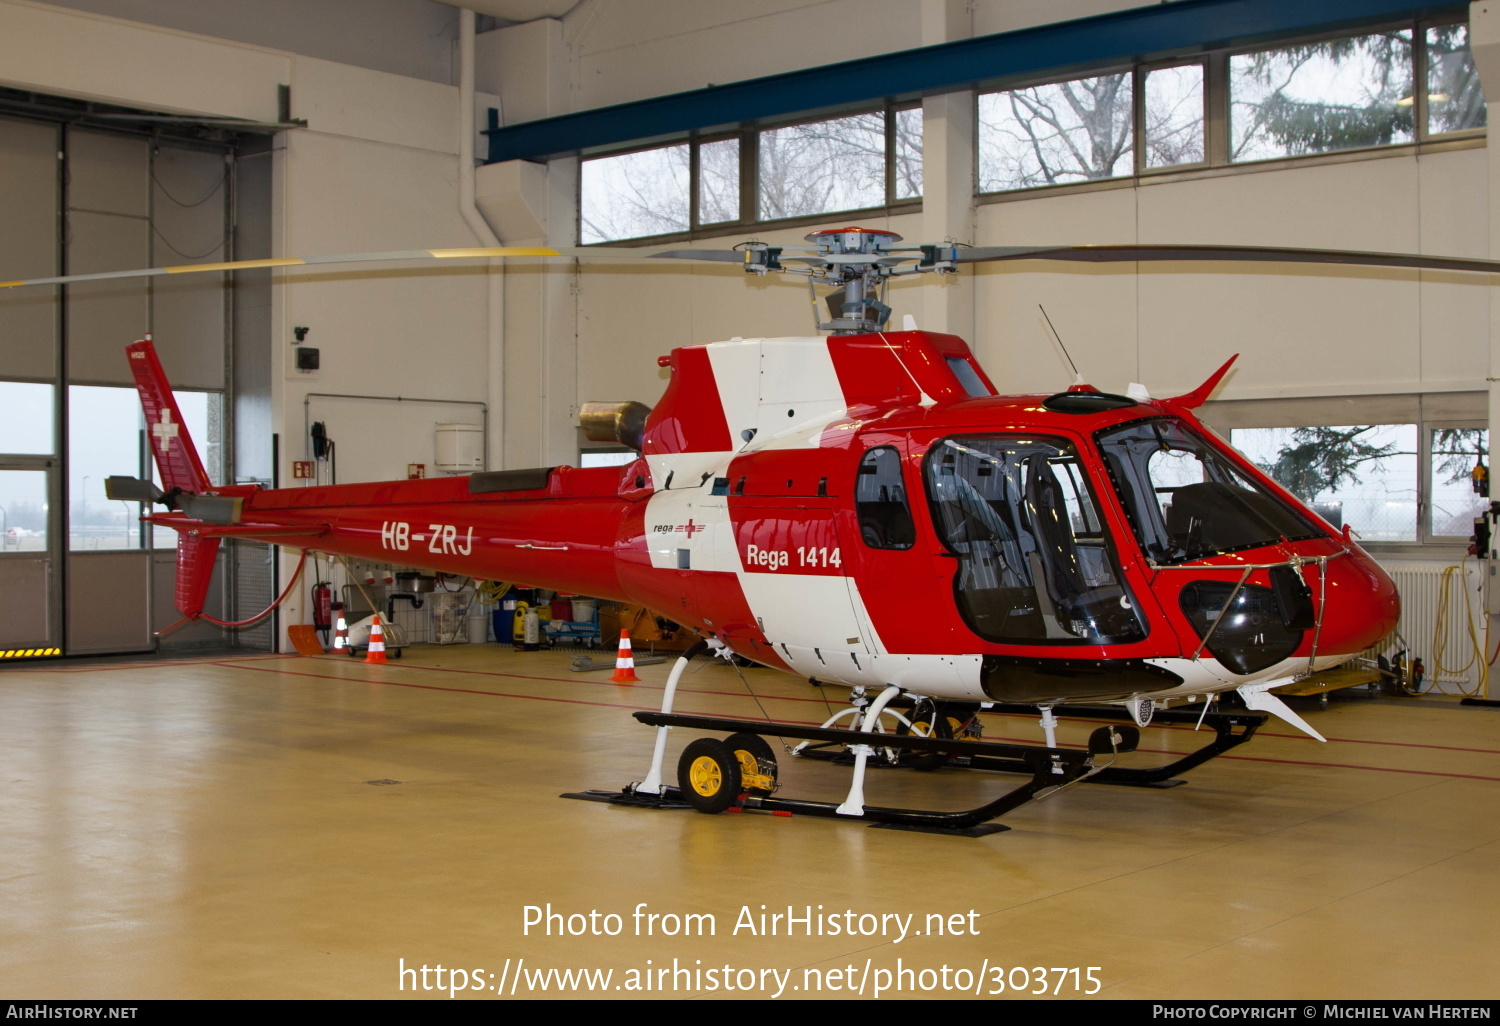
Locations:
{"points": [[176, 458], [182, 475]]}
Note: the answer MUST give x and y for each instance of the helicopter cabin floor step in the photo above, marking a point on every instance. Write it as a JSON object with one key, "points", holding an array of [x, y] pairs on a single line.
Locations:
{"points": [[1319, 685]]}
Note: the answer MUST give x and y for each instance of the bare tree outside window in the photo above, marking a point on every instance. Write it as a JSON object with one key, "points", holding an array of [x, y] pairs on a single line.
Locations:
{"points": [[1053, 134], [1318, 97], [1455, 97], [908, 154], [1174, 116], [719, 181], [822, 167], [634, 195]]}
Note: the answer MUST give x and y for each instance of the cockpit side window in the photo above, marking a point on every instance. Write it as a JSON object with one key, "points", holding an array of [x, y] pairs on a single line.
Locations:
{"points": [[880, 501], [1186, 500], [1036, 563]]}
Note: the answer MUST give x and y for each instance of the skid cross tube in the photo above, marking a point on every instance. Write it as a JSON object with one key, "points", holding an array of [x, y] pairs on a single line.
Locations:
{"points": [[1224, 725], [1042, 763]]}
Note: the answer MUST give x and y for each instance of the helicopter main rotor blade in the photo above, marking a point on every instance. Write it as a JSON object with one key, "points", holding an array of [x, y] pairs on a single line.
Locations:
{"points": [[1123, 252], [478, 252], [1152, 252], [728, 256]]}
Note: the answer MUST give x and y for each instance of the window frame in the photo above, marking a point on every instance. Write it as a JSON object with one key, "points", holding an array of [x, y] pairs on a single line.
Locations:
{"points": [[1425, 505], [749, 159], [1138, 116], [1217, 116], [1427, 411]]}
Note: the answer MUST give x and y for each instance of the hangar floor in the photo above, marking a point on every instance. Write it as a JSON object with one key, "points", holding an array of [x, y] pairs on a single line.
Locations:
{"points": [[210, 828]]}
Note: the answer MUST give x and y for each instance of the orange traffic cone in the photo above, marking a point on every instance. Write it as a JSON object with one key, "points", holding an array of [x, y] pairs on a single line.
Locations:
{"points": [[341, 637], [376, 652], [624, 663]]}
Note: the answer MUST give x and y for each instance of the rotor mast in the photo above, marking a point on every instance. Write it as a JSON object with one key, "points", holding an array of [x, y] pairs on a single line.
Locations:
{"points": [[858, 263]]}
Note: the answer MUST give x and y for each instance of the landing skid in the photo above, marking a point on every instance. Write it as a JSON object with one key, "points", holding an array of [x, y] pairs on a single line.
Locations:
{"points": [[1049, 769], [1231, 729]]}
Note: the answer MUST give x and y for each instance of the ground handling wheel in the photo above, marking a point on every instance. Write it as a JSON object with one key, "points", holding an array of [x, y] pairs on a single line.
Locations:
{"points": [[932, 719], [757, 762], [709, 776]]}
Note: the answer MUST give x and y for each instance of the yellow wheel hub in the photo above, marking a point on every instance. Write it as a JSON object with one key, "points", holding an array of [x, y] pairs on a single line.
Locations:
{"points": [[706, 776]]}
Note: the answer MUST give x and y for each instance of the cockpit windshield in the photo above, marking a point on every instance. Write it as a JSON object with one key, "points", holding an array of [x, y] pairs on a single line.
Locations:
{"points": [[1186, 500], [1035, 561]]}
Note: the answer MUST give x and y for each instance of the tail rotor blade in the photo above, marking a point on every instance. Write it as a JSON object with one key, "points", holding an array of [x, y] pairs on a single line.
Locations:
{"points": [[132, 489], [212, 509]]}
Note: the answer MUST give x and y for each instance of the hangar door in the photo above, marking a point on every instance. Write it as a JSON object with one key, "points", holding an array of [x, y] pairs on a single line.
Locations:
{"points": [[78, 573]]}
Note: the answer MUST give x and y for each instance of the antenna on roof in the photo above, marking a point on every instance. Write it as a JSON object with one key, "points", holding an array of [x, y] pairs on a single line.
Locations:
{"points": [[1077, 378]]}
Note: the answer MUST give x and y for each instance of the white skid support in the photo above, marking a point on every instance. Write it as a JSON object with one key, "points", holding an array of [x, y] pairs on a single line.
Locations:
{"points": [[851, 711], [653, 783], [854, 804]]}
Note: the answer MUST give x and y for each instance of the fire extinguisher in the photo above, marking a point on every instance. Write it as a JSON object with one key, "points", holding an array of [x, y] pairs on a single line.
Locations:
{"points": [[322, 602]]}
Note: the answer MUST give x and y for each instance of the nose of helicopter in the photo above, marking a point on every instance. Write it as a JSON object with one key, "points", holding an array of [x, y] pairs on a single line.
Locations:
{"points": [[1359, 605]]}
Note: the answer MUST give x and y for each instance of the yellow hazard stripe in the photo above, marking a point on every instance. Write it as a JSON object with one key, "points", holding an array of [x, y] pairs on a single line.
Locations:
{"points": [[235, 265], [23, 653]]}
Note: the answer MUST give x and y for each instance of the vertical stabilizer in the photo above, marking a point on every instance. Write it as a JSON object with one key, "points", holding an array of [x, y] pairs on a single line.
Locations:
{"points": [[181, 473], [195, 569], [176, 459]]}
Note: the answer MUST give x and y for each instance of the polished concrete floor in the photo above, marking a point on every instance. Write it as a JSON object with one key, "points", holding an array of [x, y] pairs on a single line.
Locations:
{"points": [[306, 827]]}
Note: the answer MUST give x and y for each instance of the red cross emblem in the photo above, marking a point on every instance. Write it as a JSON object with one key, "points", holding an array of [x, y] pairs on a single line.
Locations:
{"points": [[690, 527]]}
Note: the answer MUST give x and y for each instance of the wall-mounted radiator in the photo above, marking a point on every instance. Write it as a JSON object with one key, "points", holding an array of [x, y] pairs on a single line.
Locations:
{"points": [[1422, 584]]}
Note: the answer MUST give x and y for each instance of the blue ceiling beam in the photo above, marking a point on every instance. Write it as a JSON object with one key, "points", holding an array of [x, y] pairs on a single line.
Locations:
{"points": [[1144, 33]]}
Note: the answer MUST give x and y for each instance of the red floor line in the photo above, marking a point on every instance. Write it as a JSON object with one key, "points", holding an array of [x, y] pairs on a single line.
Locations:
{"points": [[44, 667], [642, 685], [800, 723], [494, 694], [819, 701], [1376, 769]]}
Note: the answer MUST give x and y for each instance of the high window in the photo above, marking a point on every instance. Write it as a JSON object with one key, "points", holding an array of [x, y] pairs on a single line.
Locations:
{"points": [[1349, 92], [802, 170], [1398, 470]]}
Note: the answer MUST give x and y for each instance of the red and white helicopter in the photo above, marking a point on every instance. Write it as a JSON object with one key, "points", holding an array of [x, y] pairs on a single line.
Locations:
{"points": [[795, 499]]}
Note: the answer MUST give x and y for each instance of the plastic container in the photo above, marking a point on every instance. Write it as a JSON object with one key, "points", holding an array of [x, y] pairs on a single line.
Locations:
{"points": [[449, 622], [460, 448]]}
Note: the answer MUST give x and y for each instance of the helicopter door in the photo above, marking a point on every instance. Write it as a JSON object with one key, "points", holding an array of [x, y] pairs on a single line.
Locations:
{"points": [[794, 582], [891, 578]]}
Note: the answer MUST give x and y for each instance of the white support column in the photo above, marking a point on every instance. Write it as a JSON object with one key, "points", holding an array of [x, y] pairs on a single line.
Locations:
{"points": [[947, 177], [562, 286], [530, 66], [1484, 41]]}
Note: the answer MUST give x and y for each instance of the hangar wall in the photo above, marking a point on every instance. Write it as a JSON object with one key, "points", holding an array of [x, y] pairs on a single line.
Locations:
{"points": [[376, 169], [1304, 334]]}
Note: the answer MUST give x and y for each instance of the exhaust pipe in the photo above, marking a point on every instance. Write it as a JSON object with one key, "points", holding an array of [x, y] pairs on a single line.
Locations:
{"points": [[622, 422]]}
